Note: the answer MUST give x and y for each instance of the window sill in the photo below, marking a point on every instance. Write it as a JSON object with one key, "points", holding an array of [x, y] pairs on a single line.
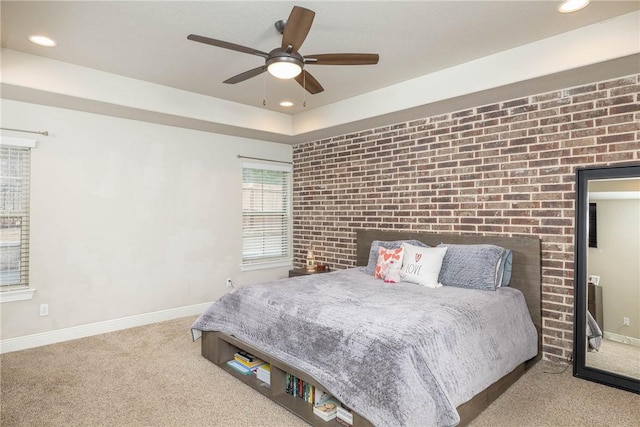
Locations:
{"points": [[263, 265], [16, 295]]}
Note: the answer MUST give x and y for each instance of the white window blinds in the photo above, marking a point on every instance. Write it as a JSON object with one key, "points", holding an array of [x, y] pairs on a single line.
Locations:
{"points": [[14, 215], [266, 213]]}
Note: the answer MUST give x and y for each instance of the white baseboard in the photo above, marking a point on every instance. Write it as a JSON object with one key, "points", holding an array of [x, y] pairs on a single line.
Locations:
{"points": [[621, 338], [45, 338]]}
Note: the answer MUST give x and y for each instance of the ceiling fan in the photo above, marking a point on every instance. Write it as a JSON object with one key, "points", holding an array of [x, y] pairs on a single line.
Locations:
{"points": [[286, 62]]}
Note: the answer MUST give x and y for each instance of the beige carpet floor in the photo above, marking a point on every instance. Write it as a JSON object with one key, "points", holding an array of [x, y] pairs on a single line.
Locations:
{"points": [[154, 376], [621, 358]]}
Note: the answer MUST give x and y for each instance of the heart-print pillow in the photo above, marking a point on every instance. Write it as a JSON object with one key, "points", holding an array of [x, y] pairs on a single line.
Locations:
{"points": [[389, 260]]}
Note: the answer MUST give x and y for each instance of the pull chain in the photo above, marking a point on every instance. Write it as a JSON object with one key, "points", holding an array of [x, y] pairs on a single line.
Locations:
{"points": [[264, 91], [304, 90]]}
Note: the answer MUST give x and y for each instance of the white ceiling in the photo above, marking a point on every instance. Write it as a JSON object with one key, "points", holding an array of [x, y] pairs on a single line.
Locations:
{"points": [[146, 40]]}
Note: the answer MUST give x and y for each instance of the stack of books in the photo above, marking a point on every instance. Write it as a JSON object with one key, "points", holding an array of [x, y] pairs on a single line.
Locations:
{"points": [[264, 373], [245, 363], [327, 409], [324, 404], [344, 416], [299, 388]]}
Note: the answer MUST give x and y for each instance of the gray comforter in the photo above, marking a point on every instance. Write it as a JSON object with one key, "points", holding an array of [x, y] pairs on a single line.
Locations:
{"points": [[398, 354]]}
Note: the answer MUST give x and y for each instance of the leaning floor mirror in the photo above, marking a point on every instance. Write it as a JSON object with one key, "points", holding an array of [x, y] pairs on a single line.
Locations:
{"points": [[607, 276]]}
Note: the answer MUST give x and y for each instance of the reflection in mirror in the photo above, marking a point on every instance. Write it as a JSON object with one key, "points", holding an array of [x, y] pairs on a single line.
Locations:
{"points": [[607, 280], [613, 267]]}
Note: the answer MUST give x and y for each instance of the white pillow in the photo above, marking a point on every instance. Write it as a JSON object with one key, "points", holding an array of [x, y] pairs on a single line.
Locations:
{"points": [[422, 265]]}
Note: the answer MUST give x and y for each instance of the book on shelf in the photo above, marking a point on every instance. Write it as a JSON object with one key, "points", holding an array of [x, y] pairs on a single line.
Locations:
{"points": [[253, 364], [343, 423], [239, 367], [288, 383], [344, 414], [246, 356], [324, 404], [309, 394], [292, 383], [263, 373], [299, 388], [327, 410], [320, 396]]}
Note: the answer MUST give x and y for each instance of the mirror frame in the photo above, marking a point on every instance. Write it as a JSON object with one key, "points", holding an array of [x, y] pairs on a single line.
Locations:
{"points": [[580, 370]]}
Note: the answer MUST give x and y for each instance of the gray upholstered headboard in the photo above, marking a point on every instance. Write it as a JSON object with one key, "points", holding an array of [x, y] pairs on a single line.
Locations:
{"points": [[527, 271]]}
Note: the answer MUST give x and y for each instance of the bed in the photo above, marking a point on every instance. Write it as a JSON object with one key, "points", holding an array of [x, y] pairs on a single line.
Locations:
{"points": [[396, 354]]}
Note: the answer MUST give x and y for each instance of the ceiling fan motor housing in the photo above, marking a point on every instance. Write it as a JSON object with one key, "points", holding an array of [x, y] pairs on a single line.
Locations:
{"points": [[279, 56]]}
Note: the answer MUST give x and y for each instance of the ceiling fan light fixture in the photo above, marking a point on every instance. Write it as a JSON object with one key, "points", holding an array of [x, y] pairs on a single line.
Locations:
{"points": [[284, 68], [569, 6]]}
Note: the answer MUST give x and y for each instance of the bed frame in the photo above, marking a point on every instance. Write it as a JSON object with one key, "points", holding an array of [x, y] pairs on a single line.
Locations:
{"points": [[526, 277]]}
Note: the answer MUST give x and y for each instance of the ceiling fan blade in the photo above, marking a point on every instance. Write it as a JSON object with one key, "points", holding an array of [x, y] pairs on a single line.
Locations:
{"points": [[246, 75], [342, 59], [227, 45], [297, 27], [307, 81]]}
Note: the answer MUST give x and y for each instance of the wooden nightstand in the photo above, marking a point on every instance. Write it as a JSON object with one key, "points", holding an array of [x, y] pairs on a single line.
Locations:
{"points": [[303, 272]]}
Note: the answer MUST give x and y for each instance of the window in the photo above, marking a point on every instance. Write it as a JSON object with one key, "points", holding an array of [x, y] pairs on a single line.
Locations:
{"points": [[15, 160], [266, 215]]}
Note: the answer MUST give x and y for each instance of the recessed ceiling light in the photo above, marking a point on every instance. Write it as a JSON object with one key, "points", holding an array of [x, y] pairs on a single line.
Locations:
{"points": [[569, 6], [286, 104], [42, 41]]}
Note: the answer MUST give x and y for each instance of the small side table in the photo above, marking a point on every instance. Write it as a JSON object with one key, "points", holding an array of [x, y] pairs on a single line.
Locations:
{"points": [[303, 272]]}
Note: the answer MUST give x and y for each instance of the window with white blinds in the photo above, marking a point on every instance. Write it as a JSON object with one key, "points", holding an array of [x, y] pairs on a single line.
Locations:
{"points": [[266, 213], [15, 163]]}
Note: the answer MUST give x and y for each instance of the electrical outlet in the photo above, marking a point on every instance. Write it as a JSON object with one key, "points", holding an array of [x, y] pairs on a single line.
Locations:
{"points": [[229, 283], [44, 309], [625, 321]]}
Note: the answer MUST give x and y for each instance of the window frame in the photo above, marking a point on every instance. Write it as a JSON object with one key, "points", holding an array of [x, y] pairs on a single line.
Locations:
{"points": [[22, 290], [262, 262]]}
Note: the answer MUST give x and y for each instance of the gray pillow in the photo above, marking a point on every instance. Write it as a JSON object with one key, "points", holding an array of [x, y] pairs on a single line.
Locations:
{"points": [[387, 244], [472, 266], [506, 266]]}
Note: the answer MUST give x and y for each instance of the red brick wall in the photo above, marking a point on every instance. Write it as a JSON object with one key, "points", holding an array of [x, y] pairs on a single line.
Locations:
{"points": [[501, 169]]}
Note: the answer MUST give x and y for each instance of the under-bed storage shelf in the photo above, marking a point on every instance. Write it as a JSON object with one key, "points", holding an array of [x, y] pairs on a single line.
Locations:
{"points": [[220, 348], [250, 380]]}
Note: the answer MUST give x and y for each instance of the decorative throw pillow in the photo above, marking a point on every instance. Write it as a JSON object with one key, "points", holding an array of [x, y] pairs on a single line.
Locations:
{"points": [[422, 265], [472, 266], [393, 275], [387, 244], [389, 262]]}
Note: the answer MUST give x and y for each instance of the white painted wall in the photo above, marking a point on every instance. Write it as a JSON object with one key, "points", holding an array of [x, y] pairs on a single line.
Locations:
{"points": [[128, 217]]}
